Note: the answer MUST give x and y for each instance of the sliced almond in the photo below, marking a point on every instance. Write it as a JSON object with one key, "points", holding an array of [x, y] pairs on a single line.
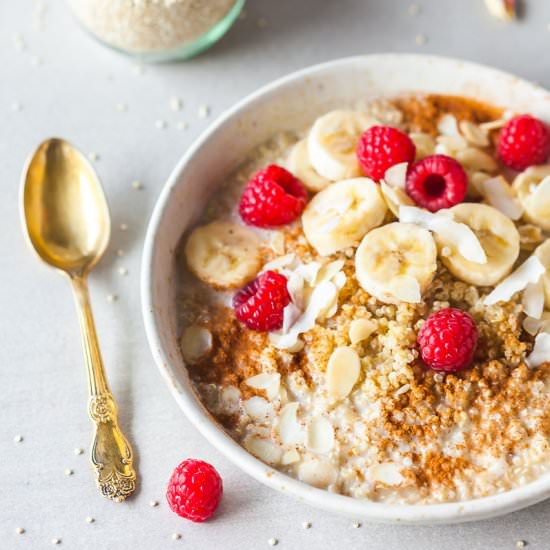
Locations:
{"points": [[268, 382], [290, 457], [447, 125], [258, 408], [288, 427], [424, 143], [318, 473], [473, 133], [230, 399], [396, 175], [319, 435], [264, 449], [343, 371], [475, 159], [195, 343], [361, 329]]}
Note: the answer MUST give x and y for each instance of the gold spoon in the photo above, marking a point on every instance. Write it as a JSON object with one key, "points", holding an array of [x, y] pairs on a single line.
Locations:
{"points": [[67, 222]]}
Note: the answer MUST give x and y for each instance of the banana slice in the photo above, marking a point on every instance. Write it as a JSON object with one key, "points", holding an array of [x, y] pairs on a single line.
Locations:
{"points": [[498, 237], [396, 262], [340, 215], [332, 142], [223, 254], [533, 190], [542, 252], [299, 164]]}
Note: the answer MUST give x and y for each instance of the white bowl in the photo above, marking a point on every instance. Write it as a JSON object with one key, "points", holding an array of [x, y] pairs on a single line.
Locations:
{"points": [[291, 103]]}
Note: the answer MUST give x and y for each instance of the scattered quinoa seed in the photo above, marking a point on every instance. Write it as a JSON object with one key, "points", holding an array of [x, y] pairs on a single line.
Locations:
{"points": [[176, 536], [93, 156], [123, 226], [112, 298], [182, 125], [272, 542], [56, 541], [521, 544], [90, 519], [18, 438], [306, 524], [120, 252], [160, 124], [78, 451], [137, 185], [20, 530], [356, 525], [69, 472], [123, 271], [153, 503], [175, 104], [204, 111], [121, 107]]}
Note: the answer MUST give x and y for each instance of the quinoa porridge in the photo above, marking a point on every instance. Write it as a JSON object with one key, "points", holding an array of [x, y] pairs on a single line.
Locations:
{"points": [[373, 323]]}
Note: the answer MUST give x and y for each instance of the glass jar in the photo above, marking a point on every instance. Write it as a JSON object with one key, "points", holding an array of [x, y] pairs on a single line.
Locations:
{"points": [[157, 30]]}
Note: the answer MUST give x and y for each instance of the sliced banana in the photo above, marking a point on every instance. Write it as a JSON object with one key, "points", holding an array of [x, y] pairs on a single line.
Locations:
{"points": [[223, 254], [340, 215], [498, 237], [396, 262], [542, 252], [533, 190], [299, 164], [332, 142]]}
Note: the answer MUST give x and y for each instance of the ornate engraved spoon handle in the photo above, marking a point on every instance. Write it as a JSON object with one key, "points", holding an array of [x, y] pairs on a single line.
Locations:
{"points": [[111, 454]]}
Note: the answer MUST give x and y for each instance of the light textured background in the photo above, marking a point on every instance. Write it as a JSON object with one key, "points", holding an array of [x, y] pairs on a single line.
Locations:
{"points": [[68, 85]]}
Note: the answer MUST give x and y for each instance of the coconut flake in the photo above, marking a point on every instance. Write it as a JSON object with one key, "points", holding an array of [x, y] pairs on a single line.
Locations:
{"points": [[319, 435], [264, 449], [278, 263], [320, 300], [395, 197], [459, 234], [387, 473], [541, 351], [533, 299], [473, 133], [539, 196], [396, 175], [268, 382], [328, 271], [309, 272], [499, 193], [288, 426], [529, 271]]}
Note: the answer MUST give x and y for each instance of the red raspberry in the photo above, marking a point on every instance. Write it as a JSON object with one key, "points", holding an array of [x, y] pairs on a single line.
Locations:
{"points": [[272, 197], [194, 490], [436, 182], [381, 147], [448, 340], [524, 141], [259, 305]]}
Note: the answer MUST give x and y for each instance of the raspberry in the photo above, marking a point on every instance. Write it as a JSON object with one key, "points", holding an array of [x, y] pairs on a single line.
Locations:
{"points": [[381, 147], [194, 490], [259, 305], [524, 141], [272, 197], [448, 340], [436, 182]]}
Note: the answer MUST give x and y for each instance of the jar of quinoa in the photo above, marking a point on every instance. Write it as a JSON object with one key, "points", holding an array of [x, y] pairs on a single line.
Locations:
{"points": [[157, 30]]}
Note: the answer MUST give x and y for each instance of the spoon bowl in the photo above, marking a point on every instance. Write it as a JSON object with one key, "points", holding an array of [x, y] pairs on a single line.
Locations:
{"points": [[65, 210]]}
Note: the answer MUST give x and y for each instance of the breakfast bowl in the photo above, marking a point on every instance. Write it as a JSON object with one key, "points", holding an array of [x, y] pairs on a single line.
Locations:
{"points": [[291, 104]]}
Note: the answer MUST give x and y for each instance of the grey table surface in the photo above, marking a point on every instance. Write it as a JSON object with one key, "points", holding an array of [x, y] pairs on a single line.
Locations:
{"points": [[56, 80]]}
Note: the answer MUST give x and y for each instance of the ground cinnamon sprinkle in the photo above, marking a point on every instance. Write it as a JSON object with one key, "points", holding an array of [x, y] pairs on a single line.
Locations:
{"points": [[454, 436]]}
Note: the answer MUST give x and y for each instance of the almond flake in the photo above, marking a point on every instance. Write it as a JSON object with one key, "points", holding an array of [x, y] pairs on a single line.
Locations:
{"points": [[447, 125], [424, 143], [396, 175], [231, 399], [258, 408], [288, 426], [290, 457], [268, 382], [499, 193], [459, 234], [317, 473], [473, 133], [343, 370], [319, 435], [387, 473], [533, 299], [279, 263], [195, 343], [329, 271], [541, 351], [264, 449], [475, 159], [539, 197], [361, 329], [529, 271], [450, 145]]}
